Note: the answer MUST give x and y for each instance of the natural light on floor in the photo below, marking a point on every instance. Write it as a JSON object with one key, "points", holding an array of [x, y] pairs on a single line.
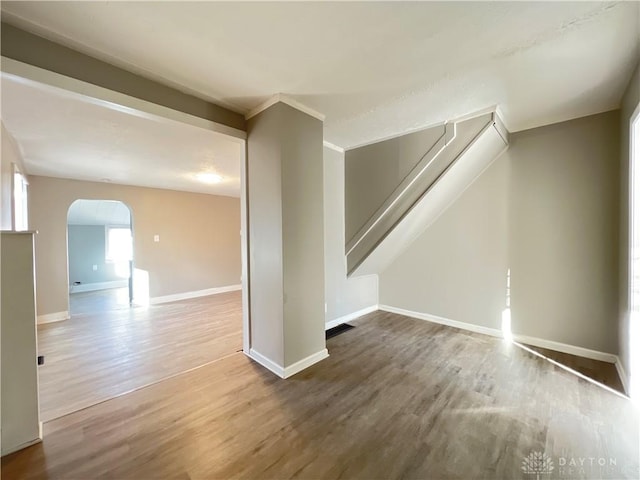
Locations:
{"points": [[507, 334], [568, 369]]}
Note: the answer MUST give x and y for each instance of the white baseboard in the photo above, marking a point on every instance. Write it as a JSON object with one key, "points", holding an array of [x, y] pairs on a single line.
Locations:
{"points": [[349, 317], [195, 294], [443, 321], [22, 445], [291, 370], [53, 317], [267, 363], [93, 287], [300, 365], [534, 341], [566, 348], [623, 376]]}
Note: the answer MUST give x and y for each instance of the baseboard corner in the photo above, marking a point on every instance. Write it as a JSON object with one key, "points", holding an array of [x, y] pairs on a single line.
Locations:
{"points": [[53, 317], [305, 363], [351, 316], [266, 362], [624, 378]]}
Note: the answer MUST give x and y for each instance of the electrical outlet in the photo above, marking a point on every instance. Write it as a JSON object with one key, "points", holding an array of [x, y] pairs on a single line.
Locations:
{"points": [[95, 268], [156, 238]]}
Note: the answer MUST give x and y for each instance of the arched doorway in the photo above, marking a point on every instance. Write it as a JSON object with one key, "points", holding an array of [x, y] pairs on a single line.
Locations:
{"points": [[100, 256]]}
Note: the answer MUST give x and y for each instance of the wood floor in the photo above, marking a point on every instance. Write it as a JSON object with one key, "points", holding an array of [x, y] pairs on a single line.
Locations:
{"points": [[397, 398], [96, 356], [99, 301], [602, 372]]}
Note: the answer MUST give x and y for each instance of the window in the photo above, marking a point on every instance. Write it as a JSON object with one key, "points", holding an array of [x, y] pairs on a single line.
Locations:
{"points": [[20, 199], [119, 244]]}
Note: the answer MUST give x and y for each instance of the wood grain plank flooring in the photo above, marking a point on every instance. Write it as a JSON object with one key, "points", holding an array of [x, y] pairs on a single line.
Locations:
{"points": [[99, 301], [397, 398], [96, 356], [602, 372]]}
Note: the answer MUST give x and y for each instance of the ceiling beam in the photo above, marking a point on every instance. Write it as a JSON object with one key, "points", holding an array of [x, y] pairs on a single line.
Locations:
{"points": [[39, 52]]}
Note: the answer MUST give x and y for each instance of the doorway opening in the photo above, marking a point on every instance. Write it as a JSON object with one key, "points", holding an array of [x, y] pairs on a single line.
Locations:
{"points": [[100, 256]]}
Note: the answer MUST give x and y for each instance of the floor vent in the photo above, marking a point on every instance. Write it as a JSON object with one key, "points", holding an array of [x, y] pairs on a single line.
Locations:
{"points": [[332, 332]]}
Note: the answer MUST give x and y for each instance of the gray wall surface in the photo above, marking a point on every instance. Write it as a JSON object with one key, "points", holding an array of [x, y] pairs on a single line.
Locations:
{"points": [[630, 102], [199, 244], [343, 296], [457, 268], [87, 247], [547, 210], [302, 234], [286, 228], [425, 188], [264, 187], [374, 171]]}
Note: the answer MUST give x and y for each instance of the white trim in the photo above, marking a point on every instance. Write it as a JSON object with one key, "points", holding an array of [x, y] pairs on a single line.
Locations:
{"points": [[566, 348], [244, 251], [266, 362], [23, 445], [494, 332], [332, 146], [623, 375], [443, 321], [306, 362], [570, 370], [53, 317], [349, 317], [395, 135], [92, 287], [286, 372], [194, 294], [25, 73], [439, 146], [286, 99]]}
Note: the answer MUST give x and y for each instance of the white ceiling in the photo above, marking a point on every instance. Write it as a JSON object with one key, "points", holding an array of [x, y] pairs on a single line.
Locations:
{"points": [[98, 212], [374, 69], [63, 135]]}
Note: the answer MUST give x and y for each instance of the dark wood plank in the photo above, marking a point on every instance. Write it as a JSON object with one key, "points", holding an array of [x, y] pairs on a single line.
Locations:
{"points": [[397, 398]]}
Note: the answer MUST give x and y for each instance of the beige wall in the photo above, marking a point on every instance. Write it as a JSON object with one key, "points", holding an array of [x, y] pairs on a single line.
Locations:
{"points": [[343, 295], [548, 210], [630, 102], [199, 244]]}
